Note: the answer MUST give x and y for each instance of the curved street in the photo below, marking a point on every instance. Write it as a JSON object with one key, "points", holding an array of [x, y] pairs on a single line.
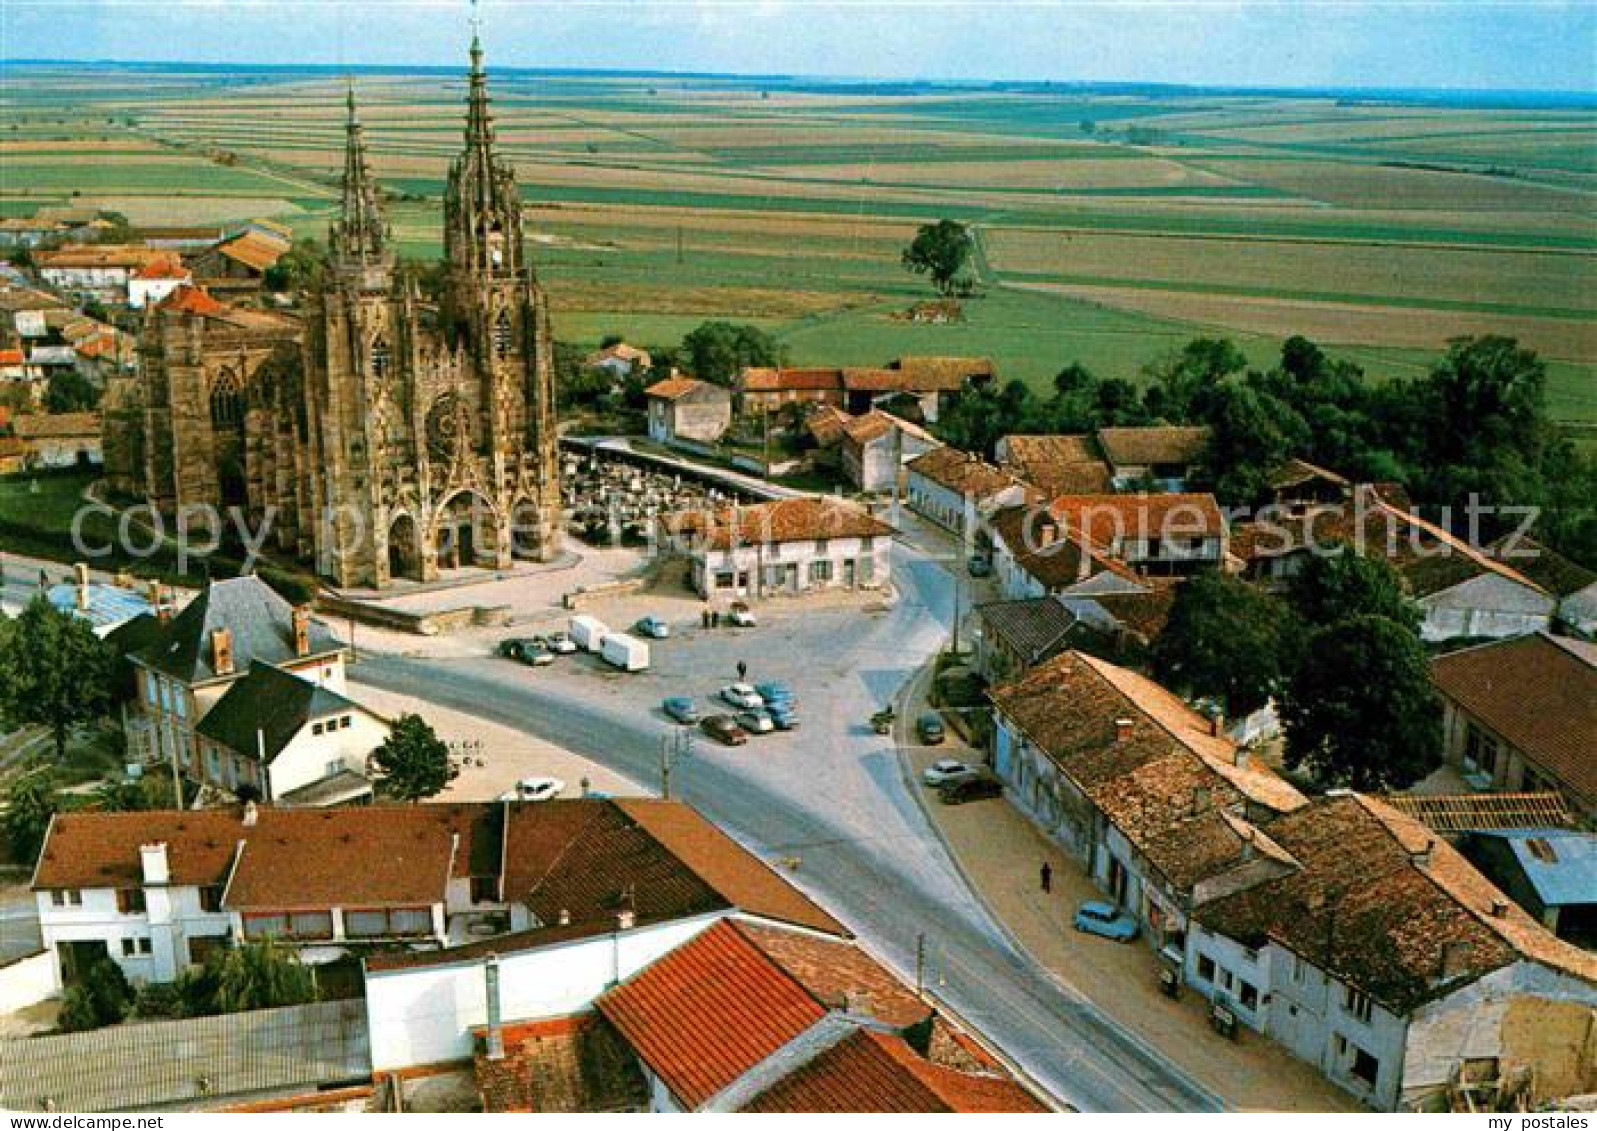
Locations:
{"points": [[831, 802]]}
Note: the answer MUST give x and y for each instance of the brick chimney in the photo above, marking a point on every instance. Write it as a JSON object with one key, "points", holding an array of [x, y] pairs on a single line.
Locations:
{"points": [[626, 919], [1422, 858], [1499, 909], [302, 630], [252, 813], [153, 861], [222, 651], [1123, 729], [80, 578]]}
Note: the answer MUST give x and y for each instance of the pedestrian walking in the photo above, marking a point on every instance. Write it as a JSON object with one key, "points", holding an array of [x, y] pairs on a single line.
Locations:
{"points": [[743, 671], [1046, 875], [715, 619], [704, 617]]}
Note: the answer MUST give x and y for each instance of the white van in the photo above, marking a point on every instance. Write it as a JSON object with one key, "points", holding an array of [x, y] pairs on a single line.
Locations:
{"points": [[625, 652], [588, 632]]}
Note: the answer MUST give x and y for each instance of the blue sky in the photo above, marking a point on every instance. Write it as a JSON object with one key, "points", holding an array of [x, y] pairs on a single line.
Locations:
{"points": [[1501, 44]]}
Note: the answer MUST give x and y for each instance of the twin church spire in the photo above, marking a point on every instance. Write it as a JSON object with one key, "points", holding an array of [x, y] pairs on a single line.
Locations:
{"points": [[482, 204]]}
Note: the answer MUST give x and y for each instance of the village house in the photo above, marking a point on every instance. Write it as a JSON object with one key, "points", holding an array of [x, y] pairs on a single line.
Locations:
{"points": [[155, 280], [1160, 457], [1056, 464], [1572, 585], [1157, 535], [196, 656], [875, 447], [1463, 590], [620, 361], [1295, 918], [293, 741], [1550, 872], [66, 439], [1326, 959], [239, 263], [784, 548], [18, 372], [98, 271], [925, 382], [685, 408], [1159, 807], [959, 490], [1012, 637], [1520, 716], [1034, 555]]}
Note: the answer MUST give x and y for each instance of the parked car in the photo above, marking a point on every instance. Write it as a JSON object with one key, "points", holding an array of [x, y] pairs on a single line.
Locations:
{"points": [[681, 709], [978, 788], [946, 772], [534, 789], [741, 695], [741, 615], [558, 642], [774, 692], [929, 727], [755, 722], [652, 627], [526, 651], [783, 715], [1099, 918], [979, 566], [724, 729]]}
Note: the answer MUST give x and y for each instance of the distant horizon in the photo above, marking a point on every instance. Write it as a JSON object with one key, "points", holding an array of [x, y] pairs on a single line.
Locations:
{"points": [[1581, 98], [1507, 47]]}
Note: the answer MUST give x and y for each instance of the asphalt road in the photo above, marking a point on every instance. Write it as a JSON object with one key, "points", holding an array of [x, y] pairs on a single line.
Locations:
{"points": [[832, 795]]}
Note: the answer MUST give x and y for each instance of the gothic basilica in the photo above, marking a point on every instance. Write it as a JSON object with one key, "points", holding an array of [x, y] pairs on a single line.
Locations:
{"points": [[378, 432]]}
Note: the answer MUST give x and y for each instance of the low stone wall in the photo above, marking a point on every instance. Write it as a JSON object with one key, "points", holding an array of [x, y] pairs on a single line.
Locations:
{"points": [[577, 598], [27, 981], [439, 623]]}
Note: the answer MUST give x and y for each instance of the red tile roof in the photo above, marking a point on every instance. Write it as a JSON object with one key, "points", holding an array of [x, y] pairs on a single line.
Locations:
{"points": [[1386, 905], [740, 877], [101, 850], [192, 300], [708, 1012], [43, 426], [870, 1071], [944, 374], [766, 380], [1539, 694], [1111, 519], [1159, 444], [12, 357], [964, 473], [673, 388], [1057, 465], [789, 520]]}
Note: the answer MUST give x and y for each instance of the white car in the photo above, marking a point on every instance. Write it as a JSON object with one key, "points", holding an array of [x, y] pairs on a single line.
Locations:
{"points": [[742, 695], [560, 644], [946, 772], [740, 615], [534, 789], [755, 722]]}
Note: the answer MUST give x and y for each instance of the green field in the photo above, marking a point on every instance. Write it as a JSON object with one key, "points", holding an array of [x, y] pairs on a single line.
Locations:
{"points": [[1113, 225]]}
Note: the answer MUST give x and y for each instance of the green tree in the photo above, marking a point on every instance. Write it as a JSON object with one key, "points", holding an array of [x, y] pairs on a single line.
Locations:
{"points": [[1338, 586], [70, 391], [260, 976], [1180, 381], [716, 351], [100, 996], [413, 762], [54, 671], [941, 251], [1359, 711], [1251, 434], [1227, 640], [251, 976], [30, 802], [302, 266]]}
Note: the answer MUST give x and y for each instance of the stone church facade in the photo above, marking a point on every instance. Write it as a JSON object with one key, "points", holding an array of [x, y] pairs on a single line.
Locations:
{"points": [[381, 434]]}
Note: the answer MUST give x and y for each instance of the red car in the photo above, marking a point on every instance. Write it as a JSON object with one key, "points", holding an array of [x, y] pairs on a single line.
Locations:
{"points": [[724, 730]]}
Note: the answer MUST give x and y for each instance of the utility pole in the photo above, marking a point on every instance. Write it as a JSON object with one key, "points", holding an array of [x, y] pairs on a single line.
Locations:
{"points": [[920, 965], [675, 749], [959, 591]]}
